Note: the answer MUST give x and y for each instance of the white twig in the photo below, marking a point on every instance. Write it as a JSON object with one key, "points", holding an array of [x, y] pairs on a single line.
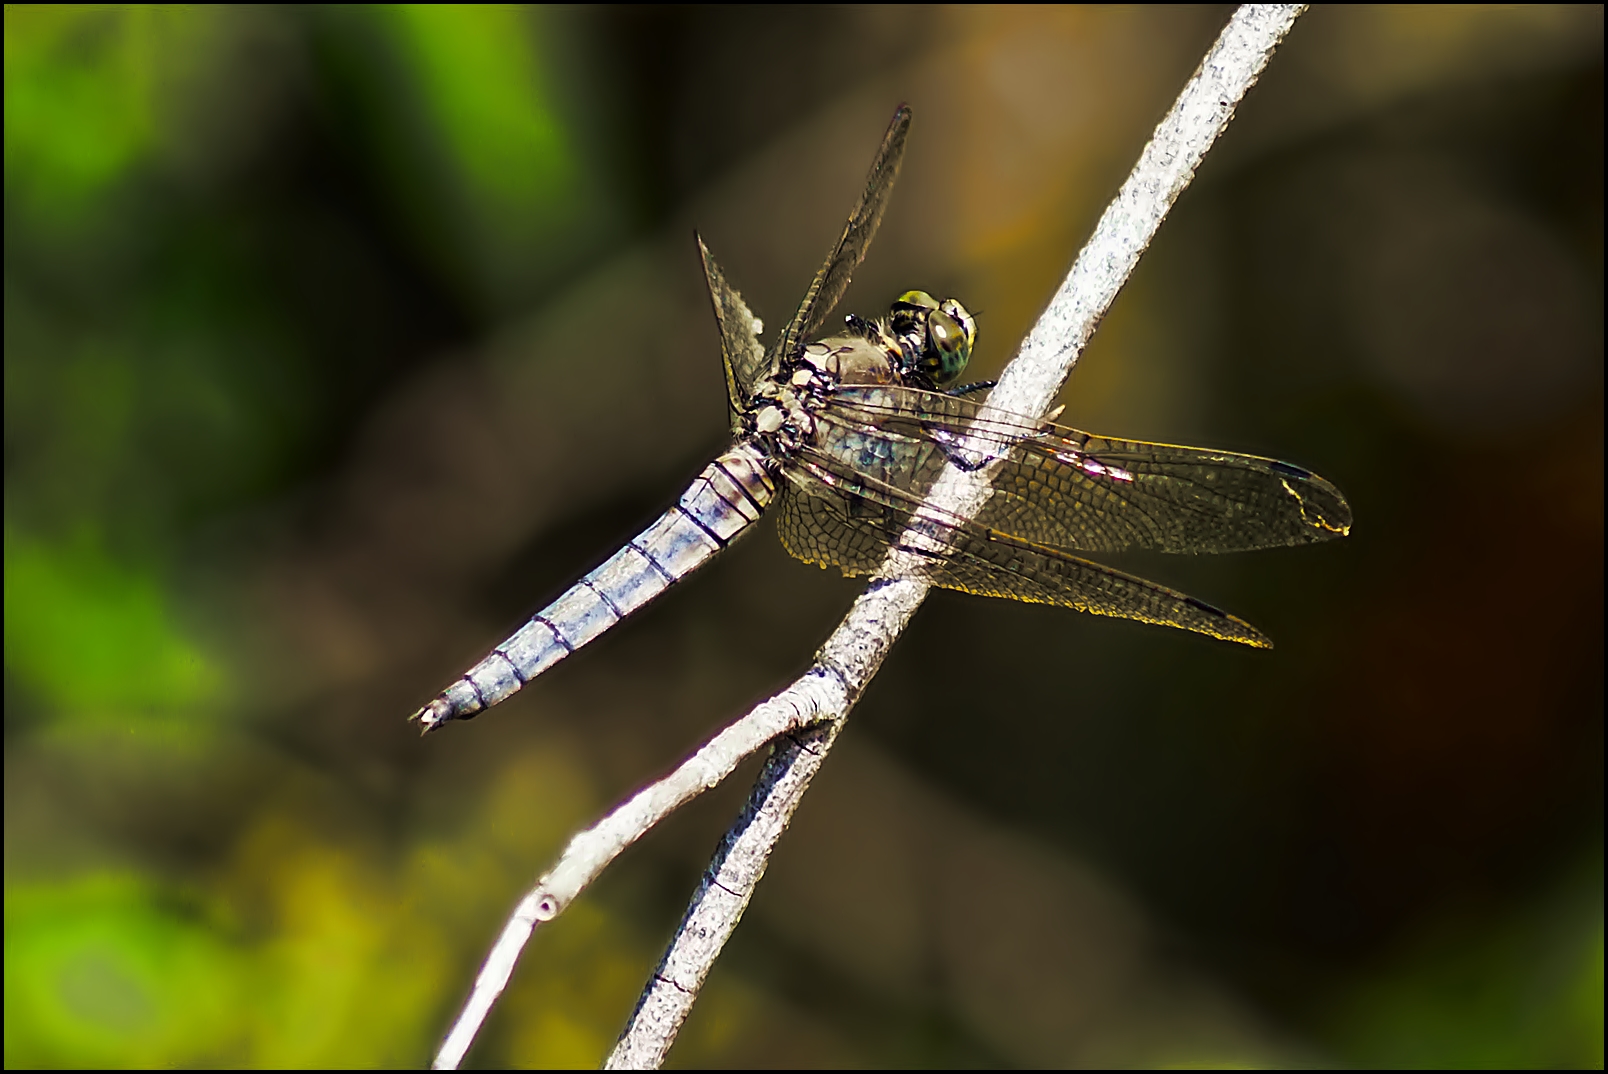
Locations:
{"points": [[590, 851], [1032, 380]]}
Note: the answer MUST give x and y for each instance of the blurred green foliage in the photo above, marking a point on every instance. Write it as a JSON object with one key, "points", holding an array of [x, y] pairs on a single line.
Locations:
{"points": [[96, 637], [231, 234], [471, 142], [150, 383], [1528, 996], [81, 99], [105, 970]]}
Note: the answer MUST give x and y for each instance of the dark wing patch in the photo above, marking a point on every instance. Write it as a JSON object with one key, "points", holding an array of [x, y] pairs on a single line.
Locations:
{"points": [[740, 349]]}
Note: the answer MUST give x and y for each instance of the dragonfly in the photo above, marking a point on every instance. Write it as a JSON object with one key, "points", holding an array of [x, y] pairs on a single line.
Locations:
{"points": [[845, 436]]}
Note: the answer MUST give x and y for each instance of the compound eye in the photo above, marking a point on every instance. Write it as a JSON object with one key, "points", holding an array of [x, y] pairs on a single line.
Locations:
{"points": [[948, 348], [963, 318]]}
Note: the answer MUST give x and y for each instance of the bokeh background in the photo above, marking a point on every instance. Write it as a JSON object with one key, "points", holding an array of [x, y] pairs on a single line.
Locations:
{"points": [[339, 340]]}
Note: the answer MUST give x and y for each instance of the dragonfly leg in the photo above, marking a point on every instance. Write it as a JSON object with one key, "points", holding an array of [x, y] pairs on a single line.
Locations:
{"points": [[974, 386]]}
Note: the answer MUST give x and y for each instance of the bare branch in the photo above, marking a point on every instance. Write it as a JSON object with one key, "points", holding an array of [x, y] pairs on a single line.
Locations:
{"points": [[856, 649], [589, 852]]}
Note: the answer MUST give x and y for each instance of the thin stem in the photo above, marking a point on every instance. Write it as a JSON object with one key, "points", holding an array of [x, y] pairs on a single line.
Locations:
{"points": [[589, 852]]}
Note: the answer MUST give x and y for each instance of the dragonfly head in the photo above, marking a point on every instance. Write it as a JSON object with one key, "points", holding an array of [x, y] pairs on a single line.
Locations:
{"points": [[936, 337]]}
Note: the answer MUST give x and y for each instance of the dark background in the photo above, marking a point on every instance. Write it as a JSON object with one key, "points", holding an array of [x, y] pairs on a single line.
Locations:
{"points": [[338, 341]]}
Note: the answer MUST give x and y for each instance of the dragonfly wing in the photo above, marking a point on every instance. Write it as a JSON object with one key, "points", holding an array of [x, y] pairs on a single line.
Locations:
{"points": [[833, 279], [818, 526], [740, 349], [1072, 490], [836, 517]]}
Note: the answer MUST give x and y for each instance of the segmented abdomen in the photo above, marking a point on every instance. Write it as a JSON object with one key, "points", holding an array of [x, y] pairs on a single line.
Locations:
{"points": [[723, 501]]}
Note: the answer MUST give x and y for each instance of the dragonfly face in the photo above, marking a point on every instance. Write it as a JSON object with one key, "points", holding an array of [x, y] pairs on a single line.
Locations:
{"points": [[935, 338], [850, 433]]}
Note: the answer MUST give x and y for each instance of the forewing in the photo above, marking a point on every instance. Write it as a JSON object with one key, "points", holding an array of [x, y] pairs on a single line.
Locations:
{"points": [[1072, 490], [833, 279], [740, 350], [833, 517]]}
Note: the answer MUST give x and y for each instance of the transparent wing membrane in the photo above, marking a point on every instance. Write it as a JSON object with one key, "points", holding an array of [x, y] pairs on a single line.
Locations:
{"points": [[833, 278], [840, 519], [1068, 489]]}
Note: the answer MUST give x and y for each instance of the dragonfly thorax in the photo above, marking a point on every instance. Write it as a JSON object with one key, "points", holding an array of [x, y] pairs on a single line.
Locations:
{"points": [[923, 343], [781, 411]]}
